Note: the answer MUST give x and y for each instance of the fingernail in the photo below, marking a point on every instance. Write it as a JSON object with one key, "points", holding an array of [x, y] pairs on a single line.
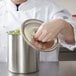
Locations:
{"points": [[35, 35], [43, 40], [40, 39]]}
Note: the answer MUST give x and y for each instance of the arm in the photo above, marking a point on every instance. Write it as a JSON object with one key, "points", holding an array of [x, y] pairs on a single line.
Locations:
{"points": [[51, 29], [67, 33]]}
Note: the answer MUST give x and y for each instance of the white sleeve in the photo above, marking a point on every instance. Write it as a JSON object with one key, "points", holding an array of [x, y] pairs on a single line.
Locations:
{"points": [[62, 13], [63, 43]]}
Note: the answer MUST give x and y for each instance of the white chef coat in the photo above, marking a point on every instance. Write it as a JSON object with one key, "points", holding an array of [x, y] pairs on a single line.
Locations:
{"points": [[11, 19]]}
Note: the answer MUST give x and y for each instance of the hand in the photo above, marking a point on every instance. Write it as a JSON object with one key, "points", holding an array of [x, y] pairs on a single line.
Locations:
{"points": [[41, 45], [49, 31]]}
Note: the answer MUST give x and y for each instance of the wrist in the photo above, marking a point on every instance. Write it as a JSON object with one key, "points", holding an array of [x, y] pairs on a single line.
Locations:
{"points": [[67, 32], [59, 23]]}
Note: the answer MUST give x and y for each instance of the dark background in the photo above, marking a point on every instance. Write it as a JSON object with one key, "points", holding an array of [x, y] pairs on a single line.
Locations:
{"points": [[67, 55]]}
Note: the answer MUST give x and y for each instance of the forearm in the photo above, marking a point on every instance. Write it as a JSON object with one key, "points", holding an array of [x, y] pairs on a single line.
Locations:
{"points": [[67, 33]]}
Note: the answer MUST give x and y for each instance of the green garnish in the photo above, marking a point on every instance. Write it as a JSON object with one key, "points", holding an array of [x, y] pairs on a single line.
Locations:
{"points": [[17, 31]]}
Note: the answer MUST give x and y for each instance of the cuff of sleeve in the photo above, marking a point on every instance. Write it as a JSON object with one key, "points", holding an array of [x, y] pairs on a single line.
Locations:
{"points": [[71, 47]]}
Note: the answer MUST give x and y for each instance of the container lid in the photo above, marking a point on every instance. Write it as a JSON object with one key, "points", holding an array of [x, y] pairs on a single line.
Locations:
{"points": [[29, 27]]}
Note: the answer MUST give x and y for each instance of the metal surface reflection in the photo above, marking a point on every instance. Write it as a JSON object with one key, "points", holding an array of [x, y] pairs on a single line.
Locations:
{"points": [[13, 74]]}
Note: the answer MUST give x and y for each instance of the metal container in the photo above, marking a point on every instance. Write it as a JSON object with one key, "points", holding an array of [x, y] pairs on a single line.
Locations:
{"points": [[22, 58]]}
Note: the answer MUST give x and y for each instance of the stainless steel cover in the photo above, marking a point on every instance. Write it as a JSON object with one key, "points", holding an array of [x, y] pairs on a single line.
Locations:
{"points": [[29, 27]]}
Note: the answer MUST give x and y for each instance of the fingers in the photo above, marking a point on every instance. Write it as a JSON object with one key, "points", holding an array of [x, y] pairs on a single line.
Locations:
{"points": [[42, 36], [41, 45], [39, 32], [45, 39], [36, 43]]}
